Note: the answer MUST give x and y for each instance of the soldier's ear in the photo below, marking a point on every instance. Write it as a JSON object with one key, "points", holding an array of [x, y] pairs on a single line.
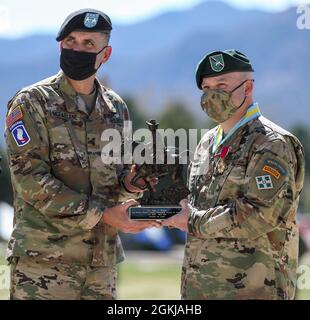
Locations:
{"points": [[249, 87], [107, 54]]}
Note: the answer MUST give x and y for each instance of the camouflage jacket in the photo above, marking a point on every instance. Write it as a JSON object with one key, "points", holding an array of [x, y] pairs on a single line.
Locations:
{"points": [[61, 185], [243, 238]]}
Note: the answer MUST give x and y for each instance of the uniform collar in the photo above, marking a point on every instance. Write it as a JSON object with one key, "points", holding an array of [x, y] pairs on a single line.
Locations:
{"points": [[74, 102], [253, 112]]}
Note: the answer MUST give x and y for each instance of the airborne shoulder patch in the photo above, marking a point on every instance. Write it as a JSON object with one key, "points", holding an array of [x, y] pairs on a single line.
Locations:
{"points": [[20, 134], [15, 115]]}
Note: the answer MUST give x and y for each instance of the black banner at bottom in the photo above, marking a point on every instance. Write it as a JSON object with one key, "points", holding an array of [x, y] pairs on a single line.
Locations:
{"points": [[129, 309]]}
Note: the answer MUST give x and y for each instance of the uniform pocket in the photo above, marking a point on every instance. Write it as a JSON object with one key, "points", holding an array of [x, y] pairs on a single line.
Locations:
{"points": [[65, 147], [61, 146], [233, 182]]}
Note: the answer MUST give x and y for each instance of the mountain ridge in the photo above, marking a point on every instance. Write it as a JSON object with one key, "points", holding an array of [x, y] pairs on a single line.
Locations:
{"points": [[154, 61]]}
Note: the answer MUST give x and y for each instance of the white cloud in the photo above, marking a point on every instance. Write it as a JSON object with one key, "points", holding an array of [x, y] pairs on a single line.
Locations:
{"points": [[267, 4], [5, 19]]}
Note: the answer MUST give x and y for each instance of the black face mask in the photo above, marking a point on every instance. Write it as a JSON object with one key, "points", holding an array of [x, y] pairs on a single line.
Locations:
{"points": [[78, 65]]}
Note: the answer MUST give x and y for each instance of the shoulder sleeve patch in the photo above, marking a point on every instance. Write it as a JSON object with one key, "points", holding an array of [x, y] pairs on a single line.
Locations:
{"points": [[274, 172], [275, 167], [20, 134], [264, 182], [15, 115]]}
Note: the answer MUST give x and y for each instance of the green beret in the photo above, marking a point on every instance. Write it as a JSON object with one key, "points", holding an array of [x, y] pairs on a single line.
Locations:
{"points": [[220, 62], [84, 20]]}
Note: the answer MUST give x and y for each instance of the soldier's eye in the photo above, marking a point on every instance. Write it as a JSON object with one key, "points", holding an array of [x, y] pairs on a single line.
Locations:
{"points": [[69, 41], [89, 44]]}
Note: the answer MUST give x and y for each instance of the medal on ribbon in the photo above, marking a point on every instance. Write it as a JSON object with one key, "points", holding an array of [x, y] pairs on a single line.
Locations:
{"points": [[221, 165]]}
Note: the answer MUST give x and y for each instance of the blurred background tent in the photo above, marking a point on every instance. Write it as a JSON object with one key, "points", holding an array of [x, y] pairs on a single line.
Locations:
{"points": [[156, 46]]}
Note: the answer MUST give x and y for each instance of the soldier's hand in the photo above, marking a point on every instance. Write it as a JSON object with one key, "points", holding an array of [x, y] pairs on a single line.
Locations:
{"points": [[127, 181], [180, 220], [118, 218]]}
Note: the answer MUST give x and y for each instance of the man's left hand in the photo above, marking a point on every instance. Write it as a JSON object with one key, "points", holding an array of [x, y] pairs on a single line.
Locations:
{"points": [[180, 220]]}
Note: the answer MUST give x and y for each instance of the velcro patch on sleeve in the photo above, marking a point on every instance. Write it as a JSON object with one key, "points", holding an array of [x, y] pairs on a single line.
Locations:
{"points": [[14, 116], [272, 171], [20, 134], [276, 164]]}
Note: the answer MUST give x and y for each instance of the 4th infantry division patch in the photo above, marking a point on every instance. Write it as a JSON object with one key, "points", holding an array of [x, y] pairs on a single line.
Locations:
{"points": [[264, 182]]}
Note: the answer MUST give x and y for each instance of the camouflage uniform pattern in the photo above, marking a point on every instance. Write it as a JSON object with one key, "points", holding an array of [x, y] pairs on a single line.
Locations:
{"points": [[33, 279], [243, 238], [61, 185]]}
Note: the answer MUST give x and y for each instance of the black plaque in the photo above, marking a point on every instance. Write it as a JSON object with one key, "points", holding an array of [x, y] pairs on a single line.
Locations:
{"points": [[164, 202], [152, 212]]}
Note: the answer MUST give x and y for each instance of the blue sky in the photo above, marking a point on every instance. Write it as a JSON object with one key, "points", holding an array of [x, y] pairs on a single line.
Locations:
{"points": [[19, 18]]}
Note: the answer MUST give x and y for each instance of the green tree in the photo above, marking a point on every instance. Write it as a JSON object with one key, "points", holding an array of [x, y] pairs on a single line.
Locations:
{"points": [[137, 116], [176, 116], [303, 134]]}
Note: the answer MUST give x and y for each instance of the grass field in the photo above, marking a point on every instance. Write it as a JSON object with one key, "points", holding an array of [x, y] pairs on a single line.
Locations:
{"points": [[152, 276], [150, 282], [3, 293]]}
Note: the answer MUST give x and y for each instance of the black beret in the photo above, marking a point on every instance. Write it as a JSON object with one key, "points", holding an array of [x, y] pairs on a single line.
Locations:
{"points": [[220, 62], [85, 20]]}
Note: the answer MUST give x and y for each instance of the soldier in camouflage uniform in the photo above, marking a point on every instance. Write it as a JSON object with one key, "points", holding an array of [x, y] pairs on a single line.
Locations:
{"points": [[245, 179], [65, 242]]}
